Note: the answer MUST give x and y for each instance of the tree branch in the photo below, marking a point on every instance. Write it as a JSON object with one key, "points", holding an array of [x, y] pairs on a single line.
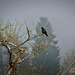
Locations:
{"points": [[18, 62]]}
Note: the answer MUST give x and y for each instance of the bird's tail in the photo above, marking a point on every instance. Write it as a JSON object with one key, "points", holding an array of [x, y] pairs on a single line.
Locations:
{"points": [[46, 34]]}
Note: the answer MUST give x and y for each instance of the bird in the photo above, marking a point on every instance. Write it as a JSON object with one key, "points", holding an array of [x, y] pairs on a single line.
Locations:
{"points": [[44, 31]]}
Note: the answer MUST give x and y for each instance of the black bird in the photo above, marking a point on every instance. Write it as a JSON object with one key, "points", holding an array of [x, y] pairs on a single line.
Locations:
{"points": [[44, 31]]}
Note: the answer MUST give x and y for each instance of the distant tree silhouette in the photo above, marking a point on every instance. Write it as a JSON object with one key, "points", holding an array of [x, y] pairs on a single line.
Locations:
{"points": [[3, 60], [50, 57]]}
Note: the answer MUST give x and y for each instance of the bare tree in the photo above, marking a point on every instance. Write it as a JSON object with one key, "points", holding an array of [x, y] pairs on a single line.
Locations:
{"points": [[10, 38], [67, 62]]}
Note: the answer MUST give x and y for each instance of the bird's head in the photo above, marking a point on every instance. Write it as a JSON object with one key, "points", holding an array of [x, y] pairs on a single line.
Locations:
{"points": [[41, 27]]}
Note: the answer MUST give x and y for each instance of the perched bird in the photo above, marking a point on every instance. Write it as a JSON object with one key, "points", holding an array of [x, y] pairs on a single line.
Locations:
{"points": [[44, 31]]}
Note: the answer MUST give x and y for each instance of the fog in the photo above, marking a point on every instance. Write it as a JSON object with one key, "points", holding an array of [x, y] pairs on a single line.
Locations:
{"points": [[60, 13]]}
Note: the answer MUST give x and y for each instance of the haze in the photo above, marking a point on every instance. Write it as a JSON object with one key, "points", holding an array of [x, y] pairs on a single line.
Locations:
{"points": [[60, 13]]}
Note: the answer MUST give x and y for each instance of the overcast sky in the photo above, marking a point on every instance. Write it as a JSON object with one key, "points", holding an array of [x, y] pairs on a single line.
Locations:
{"points": [[61, 14]]}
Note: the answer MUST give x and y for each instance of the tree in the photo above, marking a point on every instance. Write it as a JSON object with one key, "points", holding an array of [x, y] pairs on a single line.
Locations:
{"points": [[1, 68], [3, 60], [10, 38], [50, 56], [68, 63]]}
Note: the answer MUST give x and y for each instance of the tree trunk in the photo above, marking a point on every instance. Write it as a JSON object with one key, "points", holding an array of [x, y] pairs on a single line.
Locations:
{"points": [[9, 70]]}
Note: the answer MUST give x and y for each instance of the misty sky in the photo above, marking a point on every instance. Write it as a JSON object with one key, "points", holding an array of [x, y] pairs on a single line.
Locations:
{"points": [[61, 14]]}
